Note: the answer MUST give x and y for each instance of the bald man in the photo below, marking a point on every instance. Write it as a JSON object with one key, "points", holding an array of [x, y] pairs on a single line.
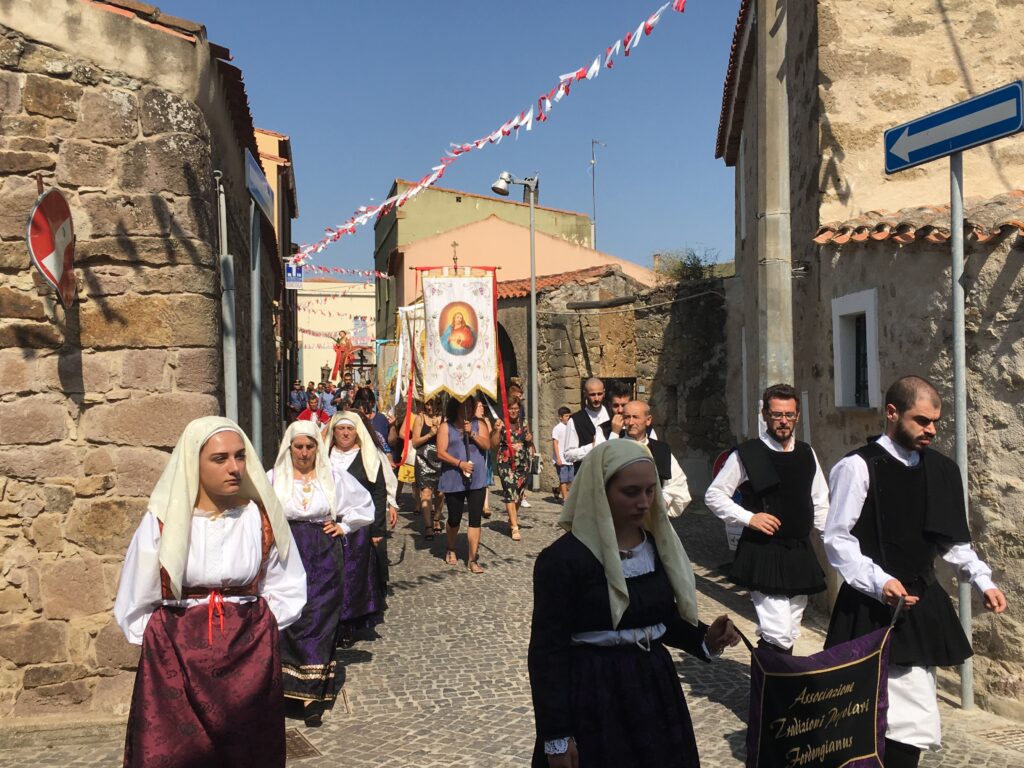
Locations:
{"points": [[585, 428], [636, 418]]}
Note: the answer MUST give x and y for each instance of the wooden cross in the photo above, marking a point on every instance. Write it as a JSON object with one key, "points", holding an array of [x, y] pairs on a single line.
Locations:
{"points": [[455, 256]]}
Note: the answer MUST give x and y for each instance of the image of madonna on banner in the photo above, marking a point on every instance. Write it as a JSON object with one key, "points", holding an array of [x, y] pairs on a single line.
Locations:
{"points": [[827, 710], [460, 332]]}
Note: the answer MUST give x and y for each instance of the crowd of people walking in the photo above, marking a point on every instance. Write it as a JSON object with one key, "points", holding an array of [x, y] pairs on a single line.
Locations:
{"points": [[242, 584]]}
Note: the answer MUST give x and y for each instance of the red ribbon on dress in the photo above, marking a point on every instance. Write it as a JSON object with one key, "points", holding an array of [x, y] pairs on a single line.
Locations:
{"points": [[216, 603]]}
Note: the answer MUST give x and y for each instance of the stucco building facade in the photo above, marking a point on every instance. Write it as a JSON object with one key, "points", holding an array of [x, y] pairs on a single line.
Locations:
{"points": [[326, 306], [437, 210]]}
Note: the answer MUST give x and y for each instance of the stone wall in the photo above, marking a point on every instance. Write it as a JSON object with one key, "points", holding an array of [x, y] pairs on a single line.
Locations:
{"points": [[915, 336], [93, 399], [670, 341], [882, 63]]}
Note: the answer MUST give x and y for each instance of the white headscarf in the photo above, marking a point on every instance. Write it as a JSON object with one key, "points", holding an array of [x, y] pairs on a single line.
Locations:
{"points": [[284, 472], [174, 496], [588, 516], [367, 445]]}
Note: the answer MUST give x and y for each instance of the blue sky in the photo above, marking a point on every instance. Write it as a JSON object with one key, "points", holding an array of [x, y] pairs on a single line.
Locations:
{"points": [[371, 91]]}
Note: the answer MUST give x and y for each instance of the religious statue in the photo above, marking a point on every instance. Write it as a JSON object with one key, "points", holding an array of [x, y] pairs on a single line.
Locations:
{"points": [[344, 353]]}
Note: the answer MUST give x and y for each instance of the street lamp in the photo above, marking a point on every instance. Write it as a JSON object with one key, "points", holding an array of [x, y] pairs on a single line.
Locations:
{"points": [[500, 187]]}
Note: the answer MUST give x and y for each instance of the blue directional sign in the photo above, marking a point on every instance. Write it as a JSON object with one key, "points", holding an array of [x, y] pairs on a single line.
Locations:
{"points": [[258, 186], [292, 276], [980, 120]]}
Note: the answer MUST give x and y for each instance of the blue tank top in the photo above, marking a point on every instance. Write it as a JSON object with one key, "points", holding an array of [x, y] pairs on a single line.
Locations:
{"points": [[452, 480]]}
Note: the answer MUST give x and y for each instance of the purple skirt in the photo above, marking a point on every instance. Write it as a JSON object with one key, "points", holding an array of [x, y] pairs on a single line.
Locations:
{"points": [[629, 710], [307, 646], [362, 603], [201, 704]]}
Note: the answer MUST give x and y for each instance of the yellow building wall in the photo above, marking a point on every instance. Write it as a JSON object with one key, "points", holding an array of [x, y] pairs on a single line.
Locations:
{"points": [[326, 307]]}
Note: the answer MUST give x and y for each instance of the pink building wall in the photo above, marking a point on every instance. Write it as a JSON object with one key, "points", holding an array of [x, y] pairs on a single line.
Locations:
{"points": [[495, 242]]}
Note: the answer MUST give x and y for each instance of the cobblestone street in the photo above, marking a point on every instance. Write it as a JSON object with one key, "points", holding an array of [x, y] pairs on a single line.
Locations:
{"points": [[446, 682]]}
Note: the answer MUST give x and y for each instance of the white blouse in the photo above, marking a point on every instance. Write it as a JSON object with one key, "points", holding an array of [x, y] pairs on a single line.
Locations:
{"points": [[223, 552], [313, 506], [352, 501], [342, 460]]}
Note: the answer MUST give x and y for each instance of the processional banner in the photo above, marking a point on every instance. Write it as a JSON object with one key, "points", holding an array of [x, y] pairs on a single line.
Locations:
{"points": [[387, 375], [827, 710], [411, 355], [461, 342]]}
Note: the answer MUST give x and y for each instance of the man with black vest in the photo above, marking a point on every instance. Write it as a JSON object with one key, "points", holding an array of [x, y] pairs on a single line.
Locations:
{"points": [[784, 497], [589, 426], [896, 505], [674, 489]]}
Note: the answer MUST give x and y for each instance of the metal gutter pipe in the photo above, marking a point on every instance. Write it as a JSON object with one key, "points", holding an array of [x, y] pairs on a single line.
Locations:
{"points": [[256, 351], [227, 307]]}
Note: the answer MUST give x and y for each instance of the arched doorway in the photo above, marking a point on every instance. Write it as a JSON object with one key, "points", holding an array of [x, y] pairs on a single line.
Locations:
{"points": [[508, 353]]}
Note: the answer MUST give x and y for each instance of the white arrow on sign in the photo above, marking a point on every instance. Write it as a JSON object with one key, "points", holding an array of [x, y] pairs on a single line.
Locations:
{"points": [[905, 144]]}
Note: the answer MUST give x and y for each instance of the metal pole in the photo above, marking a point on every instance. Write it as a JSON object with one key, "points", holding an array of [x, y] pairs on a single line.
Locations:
{"points": [[228, 339], [256, 368], [956, 227], [593, 193], [534, 367]]}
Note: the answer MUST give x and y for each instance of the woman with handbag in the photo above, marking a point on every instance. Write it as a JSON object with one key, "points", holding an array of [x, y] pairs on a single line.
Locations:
{"points": [[515, 456], [428, 467]]}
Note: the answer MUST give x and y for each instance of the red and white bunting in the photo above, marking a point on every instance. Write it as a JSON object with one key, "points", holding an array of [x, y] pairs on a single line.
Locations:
{"points": [[524, 119]]}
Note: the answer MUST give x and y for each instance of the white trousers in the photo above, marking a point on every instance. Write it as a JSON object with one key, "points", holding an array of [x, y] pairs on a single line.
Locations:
{"points": [[913, 707], [779, 617]]}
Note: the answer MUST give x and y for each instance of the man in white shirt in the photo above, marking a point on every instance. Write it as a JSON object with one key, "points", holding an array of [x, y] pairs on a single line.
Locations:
{"points": [[562, 467], [584, 429], [896, 505], [784, 496], [674, 489]]}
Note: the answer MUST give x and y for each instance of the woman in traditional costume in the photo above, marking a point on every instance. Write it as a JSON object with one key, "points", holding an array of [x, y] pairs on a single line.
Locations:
{"points": [[609, 595], [321, 512], [210, 577], [354, 452]]}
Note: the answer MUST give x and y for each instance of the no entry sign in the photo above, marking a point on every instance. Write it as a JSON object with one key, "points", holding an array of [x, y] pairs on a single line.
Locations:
{"points": [[51, 244]]}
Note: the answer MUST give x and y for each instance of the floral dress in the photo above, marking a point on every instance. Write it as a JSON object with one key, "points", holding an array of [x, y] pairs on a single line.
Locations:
{"points": [[514, 472]]}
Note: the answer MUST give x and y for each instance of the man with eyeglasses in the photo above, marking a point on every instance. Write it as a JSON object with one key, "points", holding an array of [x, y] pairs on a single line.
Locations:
{"points": [[783, 495], [897, 504]]}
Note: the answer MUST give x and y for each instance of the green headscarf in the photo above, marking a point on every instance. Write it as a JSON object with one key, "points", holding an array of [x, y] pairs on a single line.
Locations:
{"points": [[588, 516]]}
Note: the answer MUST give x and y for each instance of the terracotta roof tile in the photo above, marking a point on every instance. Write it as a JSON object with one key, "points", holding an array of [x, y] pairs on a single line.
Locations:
{"points": [[154, 17], [517, 289], [732, 73], [983, 220]]}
